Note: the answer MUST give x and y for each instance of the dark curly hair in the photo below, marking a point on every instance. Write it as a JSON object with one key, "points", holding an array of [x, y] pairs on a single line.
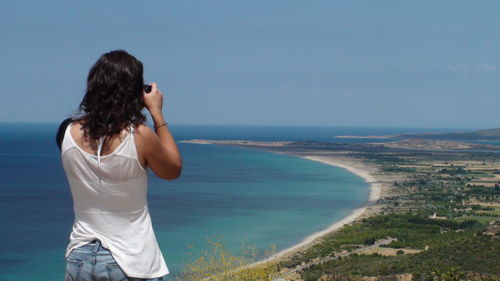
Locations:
{"points": [[114, 96]]}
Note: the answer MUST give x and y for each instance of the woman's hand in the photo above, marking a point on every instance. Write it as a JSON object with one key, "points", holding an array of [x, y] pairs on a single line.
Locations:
{"points": [[154, 100], [158, 147]]}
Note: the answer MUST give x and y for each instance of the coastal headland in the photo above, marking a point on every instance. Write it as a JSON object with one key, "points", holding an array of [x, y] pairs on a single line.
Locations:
{"points": [[415, 185]]}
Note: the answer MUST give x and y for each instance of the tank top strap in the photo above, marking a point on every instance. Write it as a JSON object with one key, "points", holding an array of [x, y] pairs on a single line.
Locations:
{"points": [[99, 149]]}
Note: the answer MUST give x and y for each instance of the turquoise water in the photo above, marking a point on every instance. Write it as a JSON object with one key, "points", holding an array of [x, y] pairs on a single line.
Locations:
{"points": [[241, 194], [262, 198]]}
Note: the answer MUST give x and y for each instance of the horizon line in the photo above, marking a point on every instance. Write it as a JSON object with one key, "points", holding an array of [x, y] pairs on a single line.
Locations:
{"points": [[280, 125]]}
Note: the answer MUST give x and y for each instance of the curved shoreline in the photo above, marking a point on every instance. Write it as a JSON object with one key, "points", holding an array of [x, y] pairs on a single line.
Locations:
{"points": [[375, 193], [375, 187]]}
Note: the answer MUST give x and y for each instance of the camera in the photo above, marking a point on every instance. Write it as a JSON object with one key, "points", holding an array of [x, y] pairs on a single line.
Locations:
{"points": [[147, 88]]}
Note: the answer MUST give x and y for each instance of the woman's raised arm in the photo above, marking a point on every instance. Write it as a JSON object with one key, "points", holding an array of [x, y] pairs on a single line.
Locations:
{"points": [[159, 149]]}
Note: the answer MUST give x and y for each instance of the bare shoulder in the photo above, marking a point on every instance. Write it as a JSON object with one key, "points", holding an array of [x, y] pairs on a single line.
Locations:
{"points": [[75, 129], [144, 131], [144, 136]]}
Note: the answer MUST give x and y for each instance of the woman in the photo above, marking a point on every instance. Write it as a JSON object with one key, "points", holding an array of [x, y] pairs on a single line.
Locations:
{"points": [[105, 153]]}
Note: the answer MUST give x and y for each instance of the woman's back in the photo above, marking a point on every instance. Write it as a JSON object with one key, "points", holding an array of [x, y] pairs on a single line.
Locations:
{"points": [[111, 182], [105, 153], [109, 194]]}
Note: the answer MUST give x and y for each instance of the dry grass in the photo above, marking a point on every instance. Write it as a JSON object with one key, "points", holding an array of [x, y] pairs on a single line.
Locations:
{"points": [[218, 264]]}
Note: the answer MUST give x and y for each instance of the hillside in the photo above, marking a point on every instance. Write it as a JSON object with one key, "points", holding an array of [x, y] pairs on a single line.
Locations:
{"points": [[486, 134]]}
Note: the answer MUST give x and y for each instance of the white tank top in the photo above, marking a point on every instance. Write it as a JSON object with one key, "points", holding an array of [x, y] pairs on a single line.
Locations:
{"points": [[110, 204]]}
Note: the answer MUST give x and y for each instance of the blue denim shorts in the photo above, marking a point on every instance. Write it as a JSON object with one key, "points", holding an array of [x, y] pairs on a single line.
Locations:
{"points": [[94, 262]]}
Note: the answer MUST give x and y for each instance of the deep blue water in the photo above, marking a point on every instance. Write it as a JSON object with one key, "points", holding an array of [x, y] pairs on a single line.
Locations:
{"points": [[286, 133], [241, 194]]}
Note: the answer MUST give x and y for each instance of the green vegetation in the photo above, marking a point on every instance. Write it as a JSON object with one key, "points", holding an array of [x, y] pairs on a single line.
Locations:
{"points": [[446, 249], [410, 230], [446, 210]]}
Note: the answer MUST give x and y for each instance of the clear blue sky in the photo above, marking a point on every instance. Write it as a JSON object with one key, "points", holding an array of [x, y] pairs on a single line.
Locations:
{"points": [[335, 63]]}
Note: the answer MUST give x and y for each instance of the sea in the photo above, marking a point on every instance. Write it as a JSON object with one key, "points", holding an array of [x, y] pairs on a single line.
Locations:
{"points": [[237, 196]]}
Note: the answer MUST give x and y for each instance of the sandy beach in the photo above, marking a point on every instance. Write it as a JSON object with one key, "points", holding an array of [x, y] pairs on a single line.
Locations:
{"points": [[379, 185], [361, 171], [356, 167]]}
